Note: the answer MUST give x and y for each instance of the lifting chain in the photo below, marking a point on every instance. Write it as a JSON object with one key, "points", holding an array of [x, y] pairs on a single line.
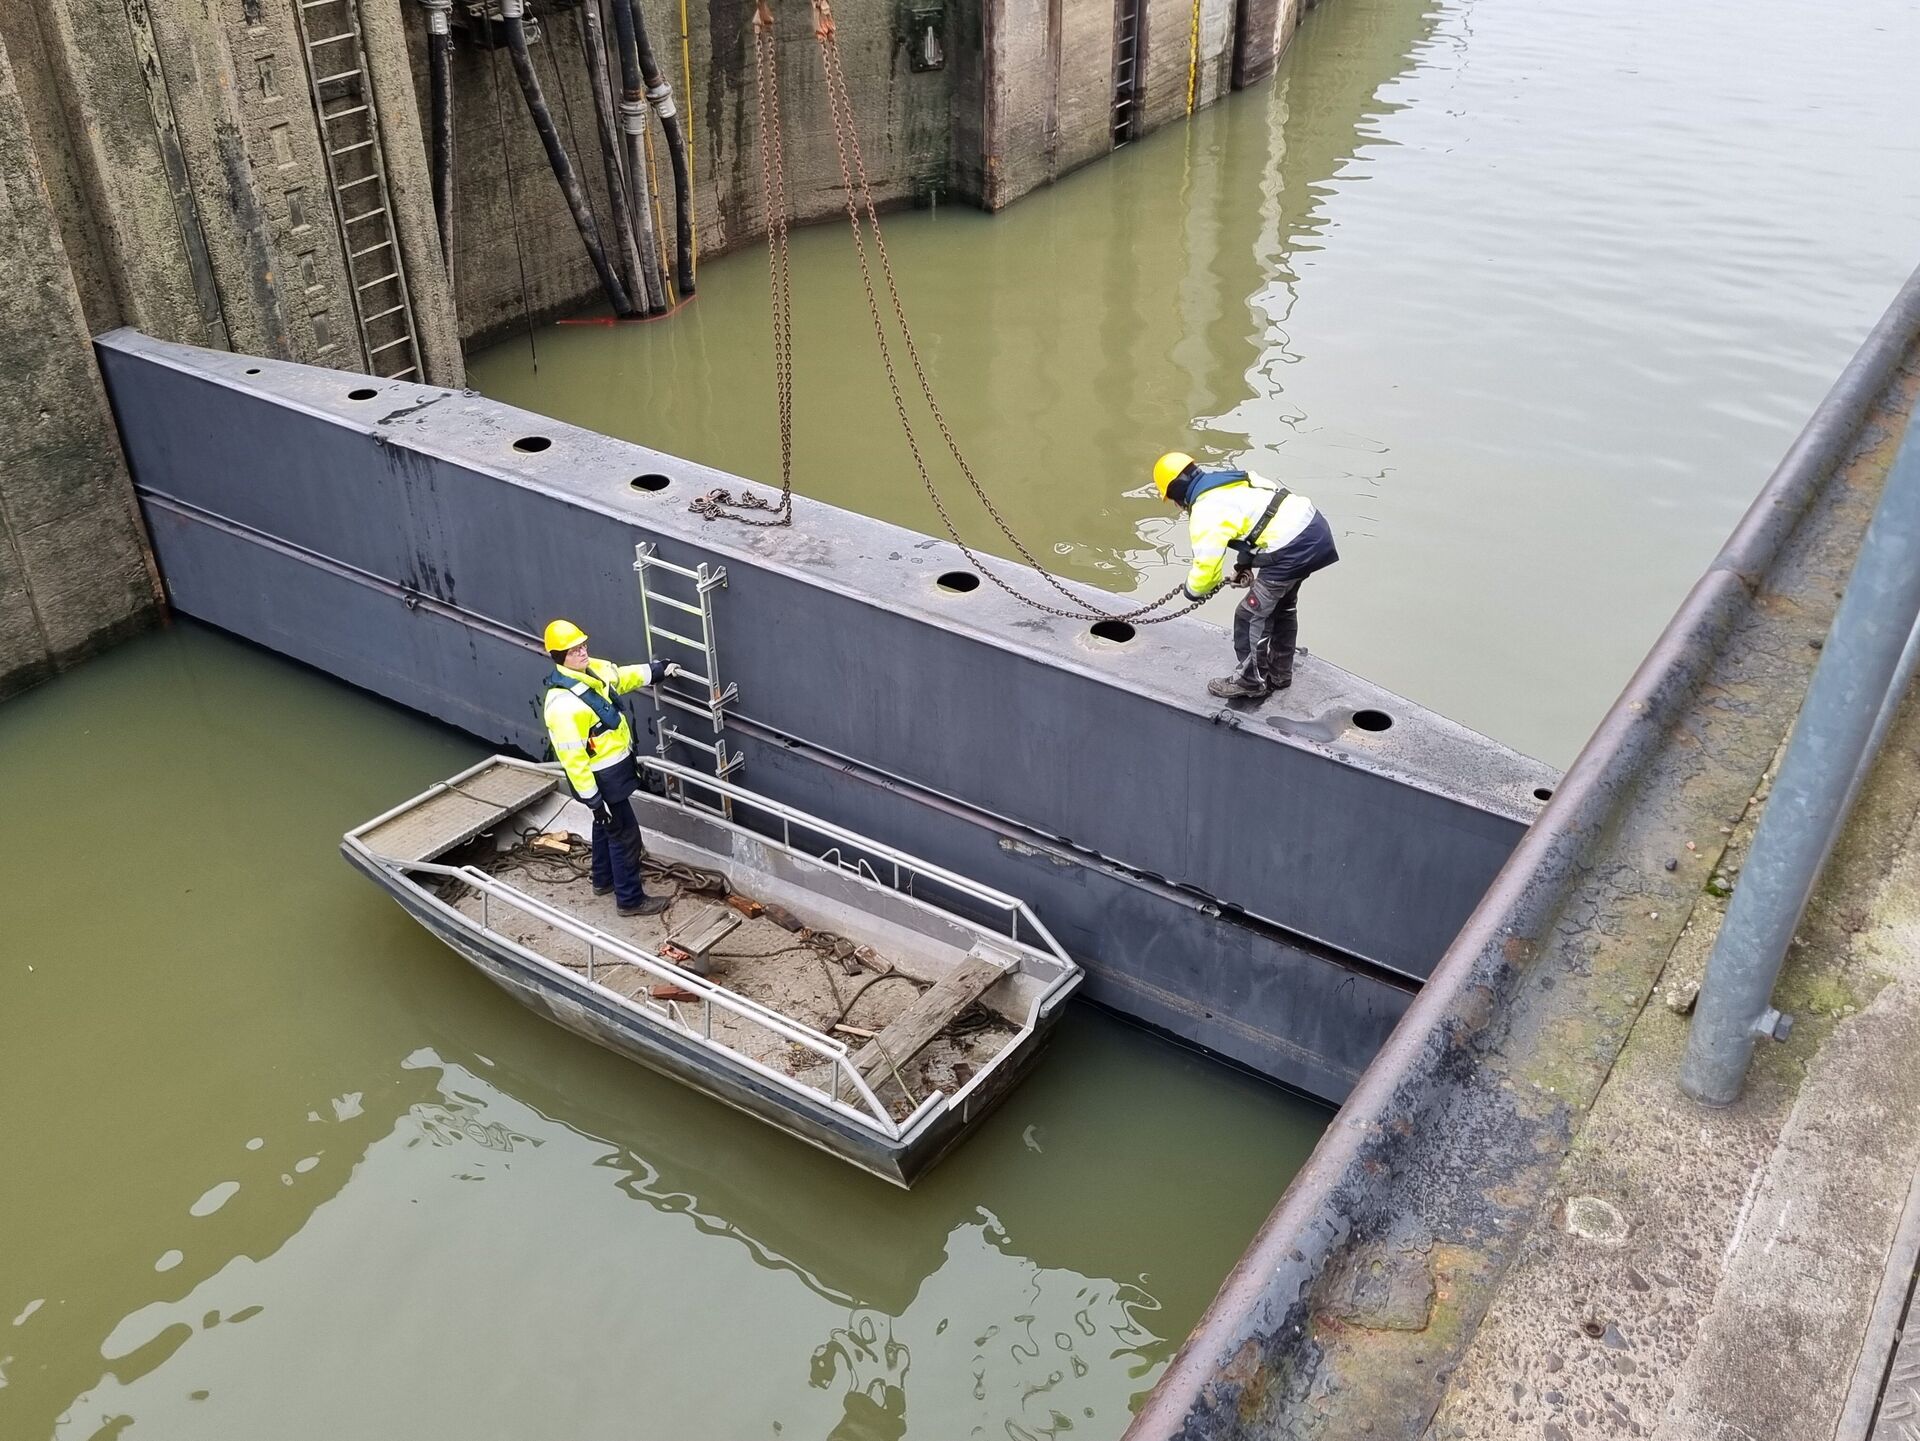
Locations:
{"points": [[853, 169], [773, 197]]}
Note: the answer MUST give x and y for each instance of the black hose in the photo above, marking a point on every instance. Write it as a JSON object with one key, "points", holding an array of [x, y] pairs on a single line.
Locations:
{"points": [[594, 49], [516, 33], [440, 68], [661, 94]]}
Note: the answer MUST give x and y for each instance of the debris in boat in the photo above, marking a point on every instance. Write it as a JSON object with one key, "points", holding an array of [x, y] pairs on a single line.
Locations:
{"points": [[671, 993], [554, 843], [679, 955], [747, 906], [861, 1031], [783, 918]]}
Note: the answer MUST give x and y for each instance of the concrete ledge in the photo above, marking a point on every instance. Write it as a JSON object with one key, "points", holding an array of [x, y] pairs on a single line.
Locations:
{"points": [[1451, 1136]]}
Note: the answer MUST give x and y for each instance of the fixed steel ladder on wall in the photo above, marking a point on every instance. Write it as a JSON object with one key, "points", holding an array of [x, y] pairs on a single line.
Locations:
{"points": [[357, 181], [709, 698], [1126, 71]]}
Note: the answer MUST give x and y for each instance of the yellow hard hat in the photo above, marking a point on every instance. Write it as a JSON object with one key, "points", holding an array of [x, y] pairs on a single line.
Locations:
{"points": [[1167, 469], [564, 635]]}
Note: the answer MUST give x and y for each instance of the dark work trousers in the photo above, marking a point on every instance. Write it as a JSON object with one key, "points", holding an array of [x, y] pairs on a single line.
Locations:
{"points": [[1266, 628], [617, 849]]}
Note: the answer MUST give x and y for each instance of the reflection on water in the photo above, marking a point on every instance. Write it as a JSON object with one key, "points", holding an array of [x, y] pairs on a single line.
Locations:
{"points": [[296, 1171], [1530, 295]]}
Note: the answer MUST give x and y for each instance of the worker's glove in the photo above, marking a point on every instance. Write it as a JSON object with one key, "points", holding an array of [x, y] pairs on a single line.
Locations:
{"points": [[666, 670], [1241, 579], [597, 803]]}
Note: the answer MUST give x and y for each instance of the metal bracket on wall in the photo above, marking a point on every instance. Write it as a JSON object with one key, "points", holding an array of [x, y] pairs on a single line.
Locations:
{"points": [[710, 700]]}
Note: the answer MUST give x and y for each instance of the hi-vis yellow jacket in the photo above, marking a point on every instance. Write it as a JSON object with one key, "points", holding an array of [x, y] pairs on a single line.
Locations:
{"points": [[1224, 513], [587, 729]]}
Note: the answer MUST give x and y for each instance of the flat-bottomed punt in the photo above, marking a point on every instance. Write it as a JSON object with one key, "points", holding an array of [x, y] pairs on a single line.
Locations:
{"points": [[864, 1001]]}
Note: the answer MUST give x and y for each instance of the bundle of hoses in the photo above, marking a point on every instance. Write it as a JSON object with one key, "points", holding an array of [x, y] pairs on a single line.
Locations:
{"points": [[623, 151]]}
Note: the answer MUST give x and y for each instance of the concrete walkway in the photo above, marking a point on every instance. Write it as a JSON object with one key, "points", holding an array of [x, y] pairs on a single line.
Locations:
{"points": [[1734, 1273]]}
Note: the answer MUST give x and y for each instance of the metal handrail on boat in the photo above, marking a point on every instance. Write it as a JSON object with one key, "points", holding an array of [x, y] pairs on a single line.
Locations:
{"points": [[596, 940], [1016, 909]]}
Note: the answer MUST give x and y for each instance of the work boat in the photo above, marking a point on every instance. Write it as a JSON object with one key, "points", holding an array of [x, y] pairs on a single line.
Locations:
{"points": [[859, 999]]}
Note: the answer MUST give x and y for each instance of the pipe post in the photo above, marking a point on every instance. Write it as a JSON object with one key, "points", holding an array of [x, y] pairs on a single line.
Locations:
{"points": [[1839, 726]]}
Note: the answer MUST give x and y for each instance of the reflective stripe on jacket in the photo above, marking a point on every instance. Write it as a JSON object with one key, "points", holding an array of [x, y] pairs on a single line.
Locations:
{"points": [[575, 709], [1222, 514]]}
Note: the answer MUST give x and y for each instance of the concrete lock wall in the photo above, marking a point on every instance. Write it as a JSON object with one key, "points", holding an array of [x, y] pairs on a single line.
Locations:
{"points": [[1272, 887]]}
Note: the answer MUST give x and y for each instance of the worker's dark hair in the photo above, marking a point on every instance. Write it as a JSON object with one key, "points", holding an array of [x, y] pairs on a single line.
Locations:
{"points": [[559, 656]]}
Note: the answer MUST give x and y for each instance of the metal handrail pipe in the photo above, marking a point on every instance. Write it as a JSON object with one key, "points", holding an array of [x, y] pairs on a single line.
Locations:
{"points": [[999, 899], [1832, 745]]}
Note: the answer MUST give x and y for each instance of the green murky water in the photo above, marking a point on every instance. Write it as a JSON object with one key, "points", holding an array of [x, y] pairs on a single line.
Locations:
{"points": [[279, 1165], [1529, 295]]}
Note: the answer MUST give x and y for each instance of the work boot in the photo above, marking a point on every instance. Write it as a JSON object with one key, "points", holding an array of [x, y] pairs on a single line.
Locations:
{"points": [[605, 890], [649, 906], [1279, 682], [1232, 687]]}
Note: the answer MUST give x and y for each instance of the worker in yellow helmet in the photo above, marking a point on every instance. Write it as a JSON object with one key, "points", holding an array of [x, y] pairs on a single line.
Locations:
{"points": [[594, 742], [1276, 540]]}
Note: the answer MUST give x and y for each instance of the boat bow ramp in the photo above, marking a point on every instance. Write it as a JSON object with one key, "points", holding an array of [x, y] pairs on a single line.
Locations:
{"points": [[1271, 885]]}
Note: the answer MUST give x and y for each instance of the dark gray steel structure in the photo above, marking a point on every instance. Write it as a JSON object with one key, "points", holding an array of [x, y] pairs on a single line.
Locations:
{"points": [[1272, 887]]}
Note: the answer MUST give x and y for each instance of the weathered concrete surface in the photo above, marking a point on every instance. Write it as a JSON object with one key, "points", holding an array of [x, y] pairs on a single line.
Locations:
{"points": [[1732, 1289], [74, 571], [1447, 1155]]}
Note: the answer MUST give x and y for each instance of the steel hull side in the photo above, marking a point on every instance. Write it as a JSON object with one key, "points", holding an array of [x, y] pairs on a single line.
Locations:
{"points": [[570, 1003]]}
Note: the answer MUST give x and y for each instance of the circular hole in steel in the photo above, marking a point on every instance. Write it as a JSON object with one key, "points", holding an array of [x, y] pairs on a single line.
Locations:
{"points": [[1373, 720], [1543, 793], [959, 581], [532, 444], [652, 480], [1117, 631], [253, 370], [363, 393]]}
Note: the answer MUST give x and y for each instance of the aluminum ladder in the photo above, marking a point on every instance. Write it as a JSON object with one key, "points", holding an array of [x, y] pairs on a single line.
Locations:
{"points": [[357, 182], [709, 700]]}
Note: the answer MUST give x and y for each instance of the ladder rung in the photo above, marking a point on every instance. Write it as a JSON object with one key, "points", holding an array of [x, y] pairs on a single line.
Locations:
{"points": [[403, 340], [330, 40], [676, 604], [716, 749], [371, 284], [342, 75], [381, 245], [364, 215], [343, 188], [316, 4], [402, 374], [711, 714], [390, 310], [349, 149], [333, 115], [666, 634]]}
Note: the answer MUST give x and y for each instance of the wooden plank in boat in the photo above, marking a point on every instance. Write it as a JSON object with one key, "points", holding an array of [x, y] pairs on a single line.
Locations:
{"points": [[450, 817], [910, 1032]]}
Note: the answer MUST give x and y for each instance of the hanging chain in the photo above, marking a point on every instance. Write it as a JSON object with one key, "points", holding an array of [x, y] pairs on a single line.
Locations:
{"points": [[773, 194], [719, 502]]}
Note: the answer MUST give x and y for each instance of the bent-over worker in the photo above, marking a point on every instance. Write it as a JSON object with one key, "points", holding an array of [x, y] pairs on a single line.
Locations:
{"points": [[1276, 538], [594, 742]]}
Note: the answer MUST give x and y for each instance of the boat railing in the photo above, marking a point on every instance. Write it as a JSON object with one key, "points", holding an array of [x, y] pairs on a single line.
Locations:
{"points": [[872, 858], [604, 949]]}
